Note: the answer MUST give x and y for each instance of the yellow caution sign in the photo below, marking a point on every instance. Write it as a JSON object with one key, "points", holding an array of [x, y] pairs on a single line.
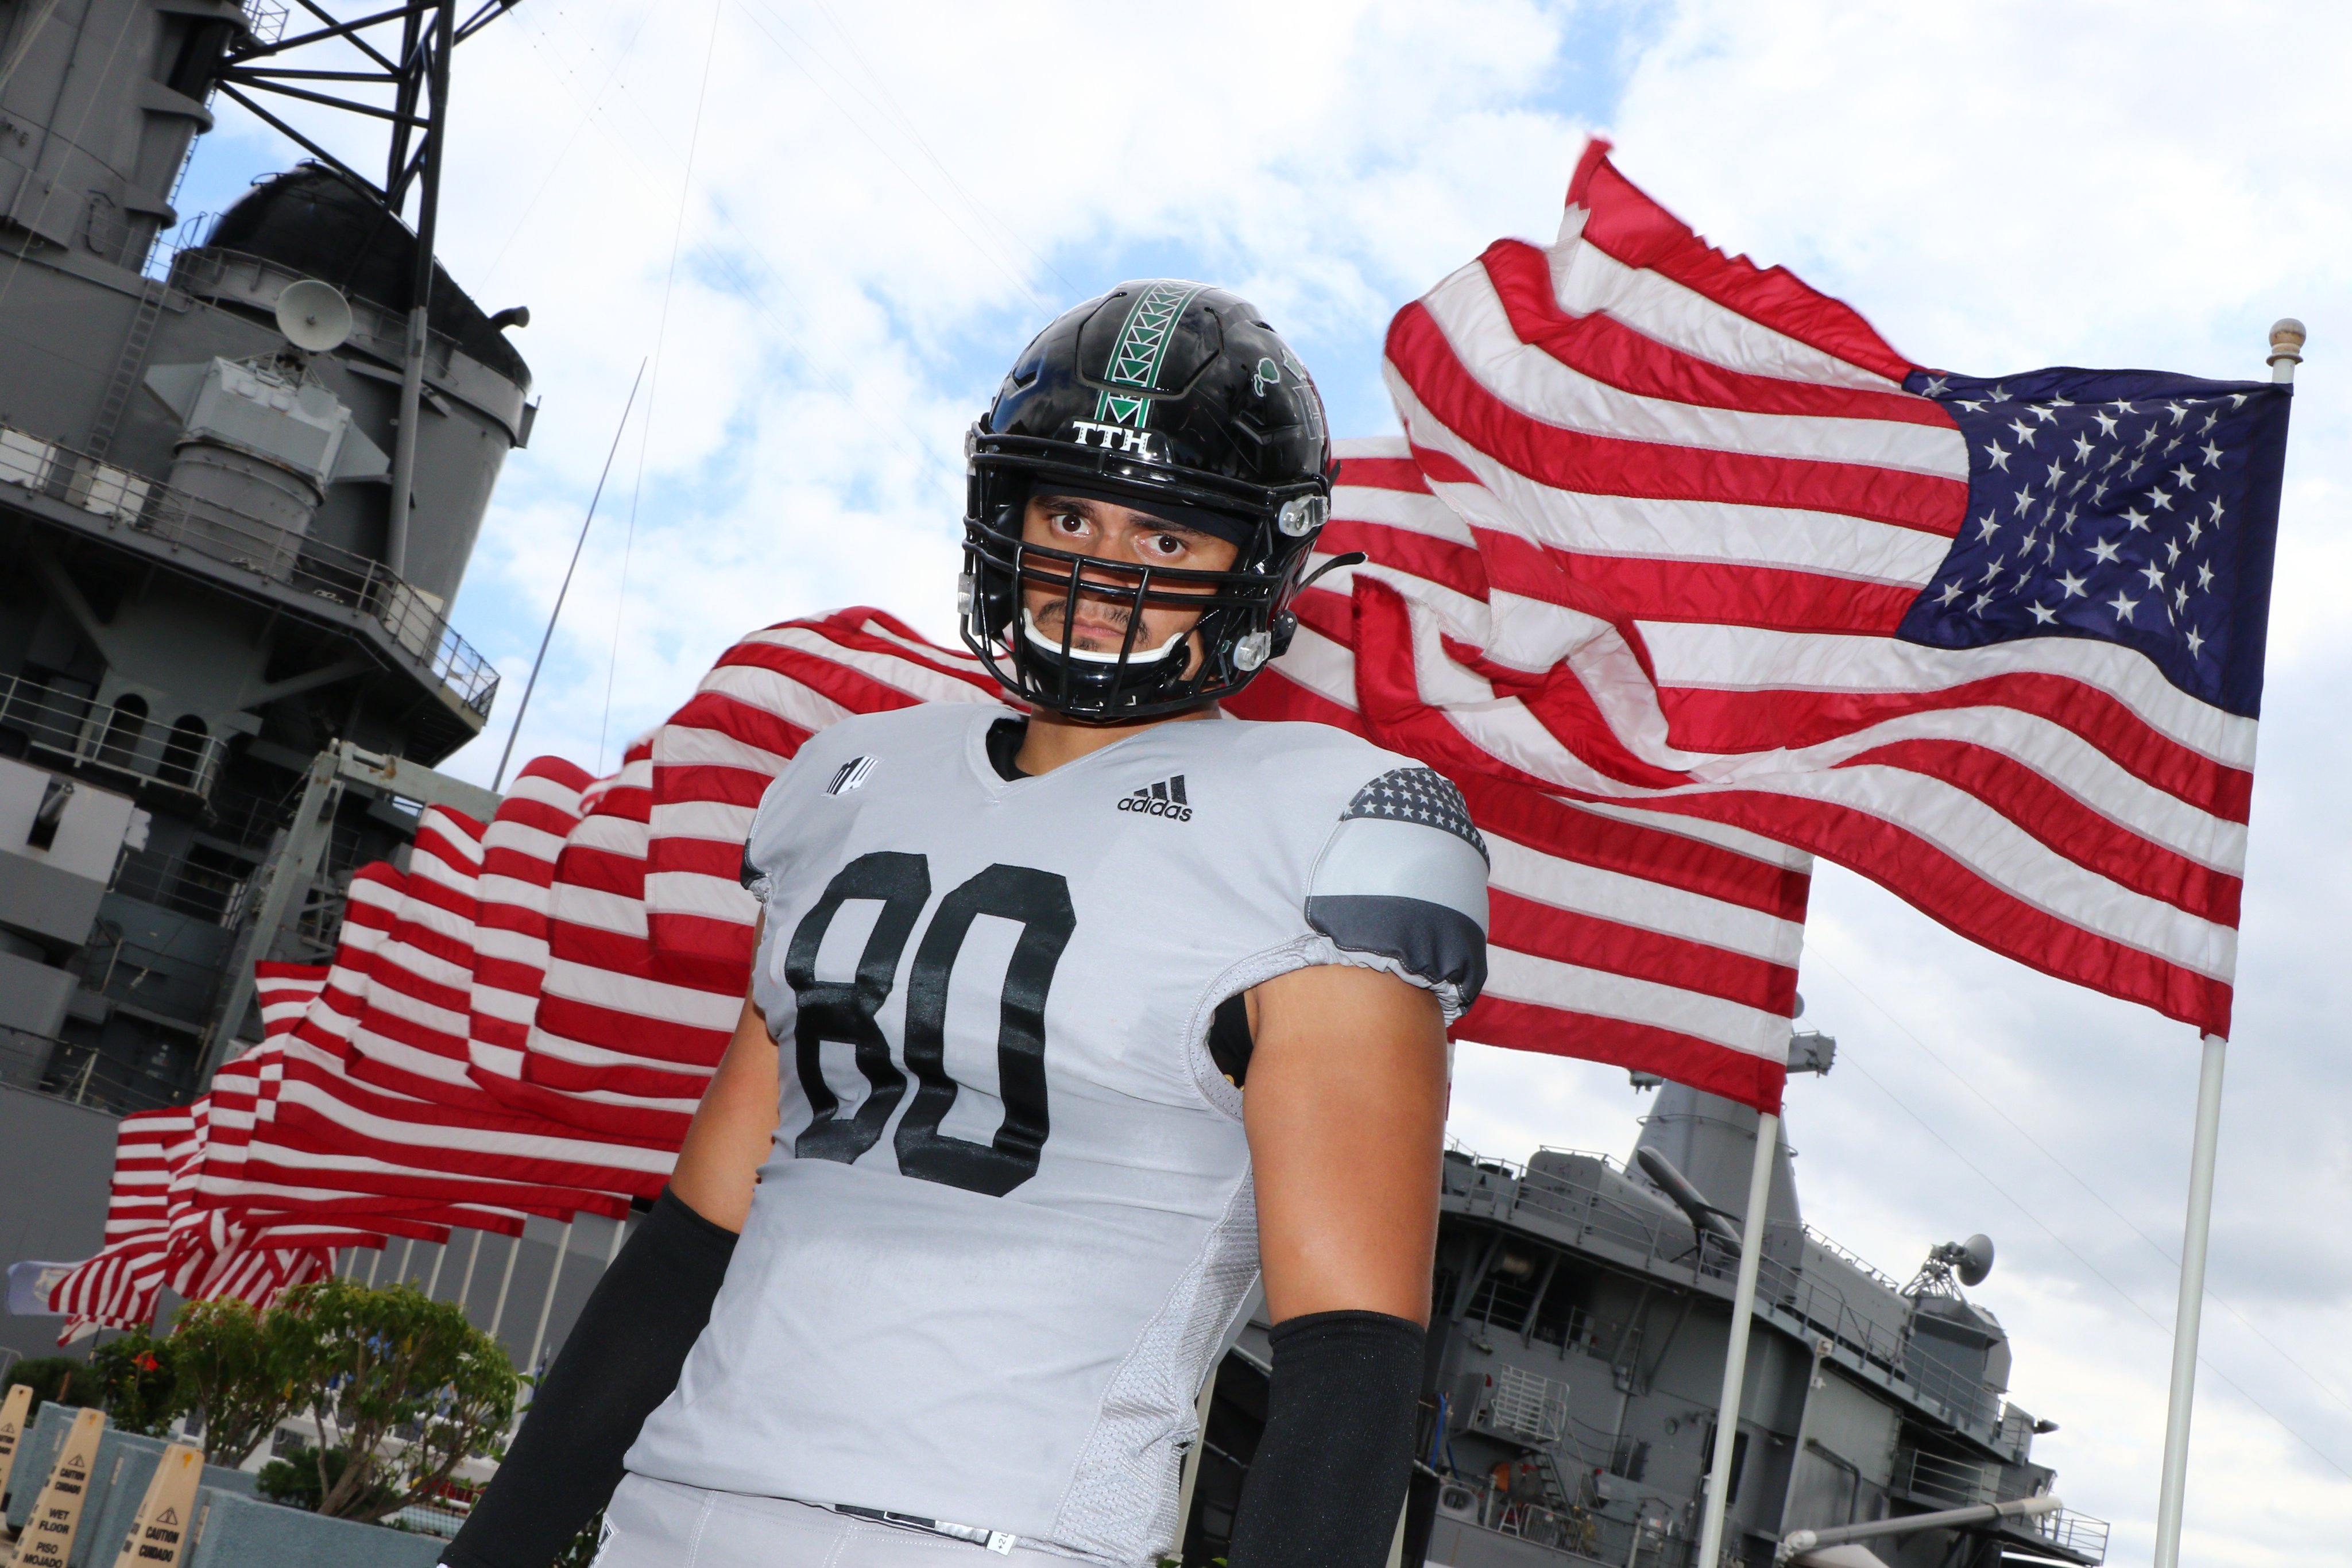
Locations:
{"points": [[12, 1430], [158, 1537], [48, 1535]]}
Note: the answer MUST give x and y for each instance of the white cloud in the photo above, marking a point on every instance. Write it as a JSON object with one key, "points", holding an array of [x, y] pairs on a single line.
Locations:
{"points": [[888, 200]]}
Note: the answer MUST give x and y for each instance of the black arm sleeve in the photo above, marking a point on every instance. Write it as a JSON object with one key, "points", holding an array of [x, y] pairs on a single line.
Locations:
{"points": [[1329, 1482], [621, 1360]]}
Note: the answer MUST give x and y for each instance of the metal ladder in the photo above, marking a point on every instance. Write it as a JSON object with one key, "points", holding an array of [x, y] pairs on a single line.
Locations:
{"points": [[126, 368]]}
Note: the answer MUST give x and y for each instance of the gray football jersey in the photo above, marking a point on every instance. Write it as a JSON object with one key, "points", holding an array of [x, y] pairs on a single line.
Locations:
{"points": [[1008, 1220]]}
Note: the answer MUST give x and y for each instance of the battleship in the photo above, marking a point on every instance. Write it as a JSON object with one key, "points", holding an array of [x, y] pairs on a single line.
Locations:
{"points": [[1580, 1311], [240, 483], [240, 480]]}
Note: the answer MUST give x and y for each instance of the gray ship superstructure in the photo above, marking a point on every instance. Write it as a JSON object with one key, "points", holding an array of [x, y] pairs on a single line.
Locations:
{"points": [[1580, 1321], [225, 656]]}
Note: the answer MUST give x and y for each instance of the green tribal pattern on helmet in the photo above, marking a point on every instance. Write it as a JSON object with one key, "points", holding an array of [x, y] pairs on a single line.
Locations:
{"points": [[1140, 351]]}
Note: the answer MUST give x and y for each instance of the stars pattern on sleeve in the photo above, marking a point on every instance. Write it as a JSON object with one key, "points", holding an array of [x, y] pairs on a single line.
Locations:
{"points": [[1418, 795]]}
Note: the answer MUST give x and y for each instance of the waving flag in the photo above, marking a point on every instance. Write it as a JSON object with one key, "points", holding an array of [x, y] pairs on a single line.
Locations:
{"points": [[1709, 547]]}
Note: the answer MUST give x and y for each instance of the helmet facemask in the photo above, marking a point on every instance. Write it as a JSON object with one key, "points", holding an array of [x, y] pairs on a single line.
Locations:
{"points": [[1242, 622]]}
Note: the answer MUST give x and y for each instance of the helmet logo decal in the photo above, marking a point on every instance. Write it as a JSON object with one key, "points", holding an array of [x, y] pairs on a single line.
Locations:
{"points": [[1264, 376], [1139, 350], [1114, 438]]}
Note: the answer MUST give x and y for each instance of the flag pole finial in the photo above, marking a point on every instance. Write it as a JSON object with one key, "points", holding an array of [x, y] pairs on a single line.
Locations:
{"points": [[2287, 349]]}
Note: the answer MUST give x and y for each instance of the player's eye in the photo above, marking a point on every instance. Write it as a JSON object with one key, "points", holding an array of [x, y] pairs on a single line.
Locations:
{"points": [[1167, 547], [1070, 523]]}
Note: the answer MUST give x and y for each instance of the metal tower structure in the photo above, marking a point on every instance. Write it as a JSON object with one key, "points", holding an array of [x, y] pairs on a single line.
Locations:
{"points": [[240, 483]]}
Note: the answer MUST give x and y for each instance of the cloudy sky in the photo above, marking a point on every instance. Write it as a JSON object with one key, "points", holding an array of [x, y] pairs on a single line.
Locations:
{"points": [[828, 228]]}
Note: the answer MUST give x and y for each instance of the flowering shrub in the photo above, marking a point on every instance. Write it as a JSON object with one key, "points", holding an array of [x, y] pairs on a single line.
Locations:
{"points": [[137, 1382]]}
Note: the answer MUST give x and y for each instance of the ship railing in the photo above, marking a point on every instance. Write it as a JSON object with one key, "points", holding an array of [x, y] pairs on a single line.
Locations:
{"points": [[79, 1075], [2076, 1532], [122, 737], [264, 19], [201, 893], [1661, 1242], [1946, 1482], [115, 496], [1583, 1534]]}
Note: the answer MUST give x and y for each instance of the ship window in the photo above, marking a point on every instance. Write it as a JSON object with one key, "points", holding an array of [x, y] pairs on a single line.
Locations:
{"points": [[123, 729], [184, 751]]}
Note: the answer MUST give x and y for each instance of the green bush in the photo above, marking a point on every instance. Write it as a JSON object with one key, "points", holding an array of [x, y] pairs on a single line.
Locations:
{"points": [[374, 1364], [240, 1367], [137, 1382], [56, 1380]]}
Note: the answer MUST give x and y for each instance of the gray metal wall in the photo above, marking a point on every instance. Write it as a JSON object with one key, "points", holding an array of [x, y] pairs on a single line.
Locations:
{"points": [[56, 1161]]}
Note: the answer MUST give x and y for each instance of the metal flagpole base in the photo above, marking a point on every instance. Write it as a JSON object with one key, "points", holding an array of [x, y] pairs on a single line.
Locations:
{"points": [[1734, 1359], [2185, 1320]]}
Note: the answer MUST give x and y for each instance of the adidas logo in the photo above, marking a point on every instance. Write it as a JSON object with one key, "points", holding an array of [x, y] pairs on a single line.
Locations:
{"points": [[849, 776], [1165, 798]]}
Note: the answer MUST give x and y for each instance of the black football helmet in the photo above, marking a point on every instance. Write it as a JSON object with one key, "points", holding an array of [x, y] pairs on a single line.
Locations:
{"points": [[1175, 399]]}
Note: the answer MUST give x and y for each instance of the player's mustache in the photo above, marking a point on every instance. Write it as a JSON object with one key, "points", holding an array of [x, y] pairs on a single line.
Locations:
{"points": [[1101, 610]]}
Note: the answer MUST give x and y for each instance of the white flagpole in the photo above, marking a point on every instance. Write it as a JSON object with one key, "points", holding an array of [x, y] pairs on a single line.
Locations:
{"points": [[547, 1302], [1734, 1359], [2287, 339], [2185, 1320]]}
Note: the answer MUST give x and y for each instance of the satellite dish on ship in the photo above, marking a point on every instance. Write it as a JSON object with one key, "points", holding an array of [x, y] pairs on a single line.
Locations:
{"points": [[314, 316], [1975, 1259]]}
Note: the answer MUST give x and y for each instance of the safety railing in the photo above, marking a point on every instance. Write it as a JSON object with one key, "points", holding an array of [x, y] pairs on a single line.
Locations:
{"points": [[2070, 1531], [117, 496], [1946, 1482], [1659, 1243], [201, 893], [123, 737], [1526, 1405], [1583, 1534], [79, 1074]]}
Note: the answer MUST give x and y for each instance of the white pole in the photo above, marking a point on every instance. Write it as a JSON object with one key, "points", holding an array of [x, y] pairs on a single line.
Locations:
{"points": [[2192, 1300], [1734, 1359], [499, 1314], [466, 1291], [547, 1302], [433, 1284]]}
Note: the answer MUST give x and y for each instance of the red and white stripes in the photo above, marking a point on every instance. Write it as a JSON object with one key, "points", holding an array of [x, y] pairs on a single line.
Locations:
{"points": [[1684, 504]]}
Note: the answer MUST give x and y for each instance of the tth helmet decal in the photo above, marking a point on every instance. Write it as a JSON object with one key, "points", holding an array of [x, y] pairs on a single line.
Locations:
{"points": [[1161, 394]]}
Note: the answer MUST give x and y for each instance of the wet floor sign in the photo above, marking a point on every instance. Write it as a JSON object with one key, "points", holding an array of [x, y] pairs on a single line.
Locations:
{"points": [[12, 1431], [158, 1535], [48, 1535]]}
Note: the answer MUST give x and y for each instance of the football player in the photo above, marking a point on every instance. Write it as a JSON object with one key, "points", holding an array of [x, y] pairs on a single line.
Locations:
{"points": [[1071, 1021]]}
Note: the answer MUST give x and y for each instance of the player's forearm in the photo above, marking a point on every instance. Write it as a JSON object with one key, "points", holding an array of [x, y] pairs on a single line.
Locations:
{"points": [[621, 1360], [1328, 1483]]}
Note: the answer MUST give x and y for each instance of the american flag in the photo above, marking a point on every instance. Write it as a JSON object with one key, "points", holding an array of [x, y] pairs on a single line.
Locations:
{"points": [[1619, 935], [1995, 643], [522, 1022]]}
